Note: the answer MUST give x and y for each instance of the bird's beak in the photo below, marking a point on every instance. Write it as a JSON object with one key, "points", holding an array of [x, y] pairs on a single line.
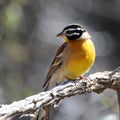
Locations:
{"points": [[61, 34]]}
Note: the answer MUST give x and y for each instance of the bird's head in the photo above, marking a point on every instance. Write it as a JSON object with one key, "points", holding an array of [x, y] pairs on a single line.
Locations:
{"points": [[74, 32]]}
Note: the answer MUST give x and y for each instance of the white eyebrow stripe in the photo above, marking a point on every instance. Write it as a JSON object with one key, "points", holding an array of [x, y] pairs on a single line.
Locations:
{"points": [[73, 34], [80, 29], [72, 29]]}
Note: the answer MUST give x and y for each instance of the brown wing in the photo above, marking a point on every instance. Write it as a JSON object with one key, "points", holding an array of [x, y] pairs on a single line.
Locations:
{"points": [[57, 62]]}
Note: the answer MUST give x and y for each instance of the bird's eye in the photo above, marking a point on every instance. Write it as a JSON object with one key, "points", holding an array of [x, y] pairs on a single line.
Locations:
{"points": [[69, 32]]}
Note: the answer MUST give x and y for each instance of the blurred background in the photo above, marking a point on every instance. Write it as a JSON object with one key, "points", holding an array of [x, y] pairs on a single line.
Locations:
{"points": [[28, 44]]}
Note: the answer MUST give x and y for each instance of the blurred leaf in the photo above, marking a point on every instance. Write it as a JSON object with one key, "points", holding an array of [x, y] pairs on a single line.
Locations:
{"points": [[20, 2], [15, 50], [106, 101], [12, 17]]}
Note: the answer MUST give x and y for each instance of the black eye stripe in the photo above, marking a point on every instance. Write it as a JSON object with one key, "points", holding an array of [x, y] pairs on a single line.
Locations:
{"points": [[74, 31]]}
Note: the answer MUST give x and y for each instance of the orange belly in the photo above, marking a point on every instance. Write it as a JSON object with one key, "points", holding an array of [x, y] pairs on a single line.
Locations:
{"points": [[82, 58]]}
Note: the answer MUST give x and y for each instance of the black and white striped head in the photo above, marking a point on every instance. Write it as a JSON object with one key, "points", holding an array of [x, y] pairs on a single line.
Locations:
{"points": [[74, 32]]}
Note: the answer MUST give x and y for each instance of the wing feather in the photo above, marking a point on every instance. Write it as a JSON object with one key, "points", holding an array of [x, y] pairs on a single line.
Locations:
{"points": [[57, 62]]}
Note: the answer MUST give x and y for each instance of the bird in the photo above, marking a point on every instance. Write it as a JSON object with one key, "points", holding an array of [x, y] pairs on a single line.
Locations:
{"points": [[74, 57]]}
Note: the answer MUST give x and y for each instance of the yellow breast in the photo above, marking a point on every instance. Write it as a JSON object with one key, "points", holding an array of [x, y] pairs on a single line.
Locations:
{"points": [[81, 56]]}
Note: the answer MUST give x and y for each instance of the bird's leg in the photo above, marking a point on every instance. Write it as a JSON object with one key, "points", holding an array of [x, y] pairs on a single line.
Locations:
{"points": [[82, 77], [73, 80], [78, 79]]}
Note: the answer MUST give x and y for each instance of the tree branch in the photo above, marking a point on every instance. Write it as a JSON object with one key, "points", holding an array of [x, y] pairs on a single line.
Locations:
{"points": [[31, 106]]}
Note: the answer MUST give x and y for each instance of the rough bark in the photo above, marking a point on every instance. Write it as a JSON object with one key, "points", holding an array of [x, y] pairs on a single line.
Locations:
{"points": [[32, 108]]}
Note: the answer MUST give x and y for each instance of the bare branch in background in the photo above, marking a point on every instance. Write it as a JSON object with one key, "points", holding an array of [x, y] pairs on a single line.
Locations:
{"points": [[31, 106]]}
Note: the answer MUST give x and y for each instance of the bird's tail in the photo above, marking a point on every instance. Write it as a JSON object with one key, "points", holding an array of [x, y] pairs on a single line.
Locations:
{"points": [[47, 109], [118, 96]]}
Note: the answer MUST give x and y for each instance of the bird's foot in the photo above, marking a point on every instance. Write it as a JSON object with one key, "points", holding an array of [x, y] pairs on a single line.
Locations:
{"points": [[82, 77]]}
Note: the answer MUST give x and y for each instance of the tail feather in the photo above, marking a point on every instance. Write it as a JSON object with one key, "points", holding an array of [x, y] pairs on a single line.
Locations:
{"points": [[118, 95], [47, 109]]}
